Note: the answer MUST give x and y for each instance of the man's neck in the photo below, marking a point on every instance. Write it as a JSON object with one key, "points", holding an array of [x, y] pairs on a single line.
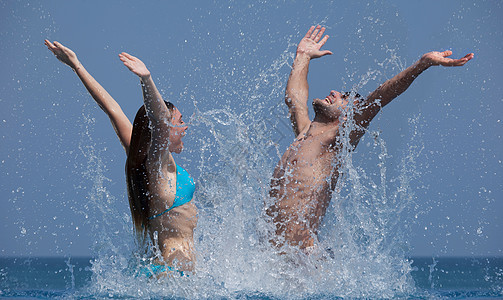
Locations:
{"points": [[320, 127]]}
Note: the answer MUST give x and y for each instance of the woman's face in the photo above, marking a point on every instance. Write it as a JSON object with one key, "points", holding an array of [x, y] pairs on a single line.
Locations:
{"points": [[176, 132]]}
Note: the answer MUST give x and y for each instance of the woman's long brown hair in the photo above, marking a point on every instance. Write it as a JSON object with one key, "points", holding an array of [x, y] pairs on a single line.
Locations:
{"points": [[136, 171]]}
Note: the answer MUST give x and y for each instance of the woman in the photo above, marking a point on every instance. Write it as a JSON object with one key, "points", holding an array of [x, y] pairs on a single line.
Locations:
{"points": [[160, 191]]}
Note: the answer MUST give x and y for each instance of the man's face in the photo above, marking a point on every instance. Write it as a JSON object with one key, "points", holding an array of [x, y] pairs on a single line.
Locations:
{"points": [[332, 107]]}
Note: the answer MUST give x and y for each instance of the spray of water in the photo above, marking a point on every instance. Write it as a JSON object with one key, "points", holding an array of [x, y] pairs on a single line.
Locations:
{"points": [[361, 249]]}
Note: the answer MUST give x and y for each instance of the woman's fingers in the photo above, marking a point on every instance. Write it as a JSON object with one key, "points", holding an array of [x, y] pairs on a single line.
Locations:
{"points": [[127, 62], [50, 45], [56, 46], [128, 59], [60, 46], [129, 56]]}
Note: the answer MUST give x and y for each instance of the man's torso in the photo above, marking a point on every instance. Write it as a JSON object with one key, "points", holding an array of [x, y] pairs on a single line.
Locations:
{"points": [[302, 186]]}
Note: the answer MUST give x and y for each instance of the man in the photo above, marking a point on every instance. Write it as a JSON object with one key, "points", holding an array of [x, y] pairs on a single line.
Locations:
{"points": [[306, 175]]}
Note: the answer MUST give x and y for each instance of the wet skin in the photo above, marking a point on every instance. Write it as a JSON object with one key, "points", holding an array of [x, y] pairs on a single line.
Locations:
{"points": [[306, 175], [174, 229]]}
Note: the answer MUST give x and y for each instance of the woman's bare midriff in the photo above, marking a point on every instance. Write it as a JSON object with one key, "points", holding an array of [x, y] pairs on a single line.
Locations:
{"points": [[175, 236]]}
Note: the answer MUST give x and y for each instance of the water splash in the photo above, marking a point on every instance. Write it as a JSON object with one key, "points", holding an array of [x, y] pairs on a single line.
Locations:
{"points": [[361, 253], [362, 250]]}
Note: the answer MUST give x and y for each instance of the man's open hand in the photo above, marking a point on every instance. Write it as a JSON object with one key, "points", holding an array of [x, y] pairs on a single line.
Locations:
{"points": [[441, 58], [311, 43]]}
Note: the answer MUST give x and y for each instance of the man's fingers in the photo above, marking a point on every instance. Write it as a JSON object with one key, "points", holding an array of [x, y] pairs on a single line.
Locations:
{"points": [[447, 62], [446, 53], [326, 52], [457, 62], [461, 61], [454, 62], [315, 32], [308, 34], [319, 35], [469, 56], [324, 40]]}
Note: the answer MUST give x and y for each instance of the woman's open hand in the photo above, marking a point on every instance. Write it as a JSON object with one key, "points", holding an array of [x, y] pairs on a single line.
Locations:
{"points": [[134, 65], [64, 54]]}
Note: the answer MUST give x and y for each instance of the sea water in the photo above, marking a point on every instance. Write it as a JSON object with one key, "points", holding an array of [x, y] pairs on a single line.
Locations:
{"points": [[435, 278]]}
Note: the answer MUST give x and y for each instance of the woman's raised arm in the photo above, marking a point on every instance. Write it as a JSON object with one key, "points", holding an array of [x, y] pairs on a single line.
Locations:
{"points": [[120, 122], [157, 111]]}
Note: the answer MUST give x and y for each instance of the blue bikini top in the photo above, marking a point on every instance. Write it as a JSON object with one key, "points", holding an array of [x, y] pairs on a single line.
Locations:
{"points": [[184, 190]]}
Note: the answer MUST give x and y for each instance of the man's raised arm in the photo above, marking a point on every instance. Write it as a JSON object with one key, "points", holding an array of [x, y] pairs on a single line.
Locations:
{"points": [[395, 86], [297, 88]]}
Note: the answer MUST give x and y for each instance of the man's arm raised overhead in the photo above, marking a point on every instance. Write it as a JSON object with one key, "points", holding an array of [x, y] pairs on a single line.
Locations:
{"points": [[395, 86], [297, 88]]}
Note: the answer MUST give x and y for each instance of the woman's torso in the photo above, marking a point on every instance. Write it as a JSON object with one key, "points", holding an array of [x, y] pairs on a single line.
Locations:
{"points": [[172, 228]]}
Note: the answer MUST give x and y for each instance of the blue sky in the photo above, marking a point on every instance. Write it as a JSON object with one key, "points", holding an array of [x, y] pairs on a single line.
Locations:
{"points": [[54, 140]]}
